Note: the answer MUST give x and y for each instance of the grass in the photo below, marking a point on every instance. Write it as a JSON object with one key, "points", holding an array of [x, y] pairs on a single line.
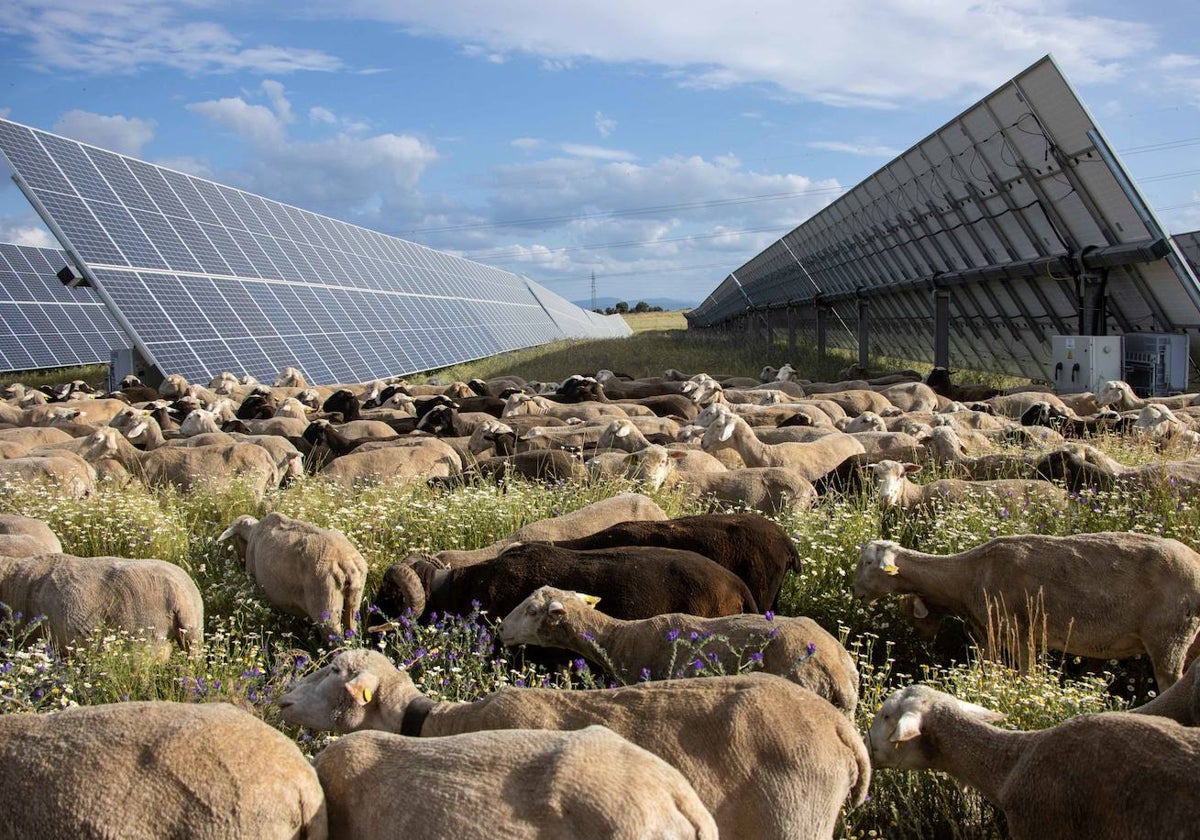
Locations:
{"points": [[251, 651], [94, 375]]}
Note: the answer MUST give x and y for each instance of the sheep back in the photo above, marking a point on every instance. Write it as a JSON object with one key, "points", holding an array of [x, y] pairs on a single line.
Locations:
{"points": [[751, 546], [153, 770], [78, 595]]}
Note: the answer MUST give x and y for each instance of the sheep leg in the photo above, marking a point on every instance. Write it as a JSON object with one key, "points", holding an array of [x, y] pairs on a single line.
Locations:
{"points": [[1168, 654], [350, 603]]}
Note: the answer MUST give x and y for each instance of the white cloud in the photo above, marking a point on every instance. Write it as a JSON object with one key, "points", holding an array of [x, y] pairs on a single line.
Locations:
{"points": [[861, 53], [22, 233], [344, 175], [256, 123], [4, 113], [1176, 61], [122, 36], [526, 143], [191, 165], [596, 152], [605, 125], [126, 135], [860, 149], [476, 51]]}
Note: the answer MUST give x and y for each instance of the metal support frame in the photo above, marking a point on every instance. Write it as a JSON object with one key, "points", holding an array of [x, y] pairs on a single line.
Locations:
{"points": [[941, 328], [791, 328], [822, 324], [864, 331]]}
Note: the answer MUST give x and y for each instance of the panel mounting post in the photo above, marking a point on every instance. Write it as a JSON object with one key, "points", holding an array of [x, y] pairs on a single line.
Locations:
{"points": [[1093, 303], [770, 327], [822, 322], [864, 331], [791, 327], [941, 328]]}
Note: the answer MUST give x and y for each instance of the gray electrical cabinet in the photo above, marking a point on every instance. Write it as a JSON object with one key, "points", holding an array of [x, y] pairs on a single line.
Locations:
{"points": [[1156, 364], [1081, 363]]}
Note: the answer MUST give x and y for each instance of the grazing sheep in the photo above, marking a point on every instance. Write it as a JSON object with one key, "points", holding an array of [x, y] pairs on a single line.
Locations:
{"points": [[519, 404], [402, 461], [1106, 595], [589, 784], [1119, 395], [796, 761], [155, 769], [751, 546], [1013, 406], [939, 382], [64, 470], [624, 507], [910, 396], [810, 460], [301, 568], [31, 436], [24, 536], [1109, 776], [797, 649], [79, 595], [173, 386], [896, 491], [290, 377], [635, 581], [187, 466], [764, 489]]}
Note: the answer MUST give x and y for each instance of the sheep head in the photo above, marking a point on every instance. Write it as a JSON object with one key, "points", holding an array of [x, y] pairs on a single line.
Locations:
{"points": [[894, 739], [544, 618], [345, 696], [889, 478], [877, 570], [239, 531], [199, 422], [173, 386], [401, 590], [1115, 392]]}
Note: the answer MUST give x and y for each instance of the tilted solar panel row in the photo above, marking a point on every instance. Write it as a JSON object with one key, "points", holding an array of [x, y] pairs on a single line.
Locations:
{"points": [[44, 324], [209, 278]]}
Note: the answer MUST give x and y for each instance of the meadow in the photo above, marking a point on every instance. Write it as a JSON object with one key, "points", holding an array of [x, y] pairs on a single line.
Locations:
{"points": [[251, 652]]}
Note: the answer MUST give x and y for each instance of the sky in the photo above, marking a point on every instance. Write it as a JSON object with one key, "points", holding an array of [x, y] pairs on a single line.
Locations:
{"points": [[657, 145]]}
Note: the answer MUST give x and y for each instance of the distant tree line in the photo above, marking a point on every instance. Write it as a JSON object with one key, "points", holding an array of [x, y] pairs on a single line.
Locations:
{"points": [[622, 308]]}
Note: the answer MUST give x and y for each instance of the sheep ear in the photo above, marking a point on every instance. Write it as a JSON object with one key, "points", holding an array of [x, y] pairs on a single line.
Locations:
{"points": [[907, 728], [590, 600], [912, 468], [727, 429], [888, 566], [623, 431], [980, 712], [676, 453], [919, 608], [362, 688], [555, 608], [227, 533]]}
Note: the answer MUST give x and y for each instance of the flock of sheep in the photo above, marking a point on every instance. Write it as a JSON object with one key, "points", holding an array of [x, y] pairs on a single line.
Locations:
{"points": [[768, 754]]}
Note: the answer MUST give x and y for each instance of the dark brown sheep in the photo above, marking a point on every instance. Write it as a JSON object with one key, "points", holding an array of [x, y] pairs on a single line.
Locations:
{"points": [[751, 546], [631, 582]]}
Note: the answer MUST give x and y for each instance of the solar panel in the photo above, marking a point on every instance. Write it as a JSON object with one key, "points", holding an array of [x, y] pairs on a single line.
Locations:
{"points": [[1189, 245], [207, 278], [1017, 209], [44, 324]]}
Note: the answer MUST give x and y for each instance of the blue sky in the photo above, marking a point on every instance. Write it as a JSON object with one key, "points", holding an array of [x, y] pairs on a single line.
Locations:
{"points": [[659, 145]]}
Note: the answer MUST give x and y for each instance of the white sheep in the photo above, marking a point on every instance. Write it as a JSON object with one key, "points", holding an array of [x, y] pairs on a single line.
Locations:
{"points": [[1108, 595], [589, 784], [766, 489], [155, 769], [302, 568], [1119, 395], [24, 536], [895, 490], [290, 377], [1109, 776], [809, 460], [797, 648], [62, 469], [80, 595], [402, 461], [797, 758]]}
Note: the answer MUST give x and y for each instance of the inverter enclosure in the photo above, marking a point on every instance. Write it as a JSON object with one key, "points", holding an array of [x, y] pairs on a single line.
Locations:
{"points": [[1081, 363]]}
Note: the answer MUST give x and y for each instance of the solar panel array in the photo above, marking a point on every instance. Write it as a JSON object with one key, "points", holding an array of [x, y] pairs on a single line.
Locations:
{"points": [[1189, 245], [44, 324], [208, 278], [1000, 208]]}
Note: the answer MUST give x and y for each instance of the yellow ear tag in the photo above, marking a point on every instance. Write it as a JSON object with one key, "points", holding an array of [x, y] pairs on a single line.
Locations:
{"points": [[366, 693], [590, 600], [890, 569]]}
